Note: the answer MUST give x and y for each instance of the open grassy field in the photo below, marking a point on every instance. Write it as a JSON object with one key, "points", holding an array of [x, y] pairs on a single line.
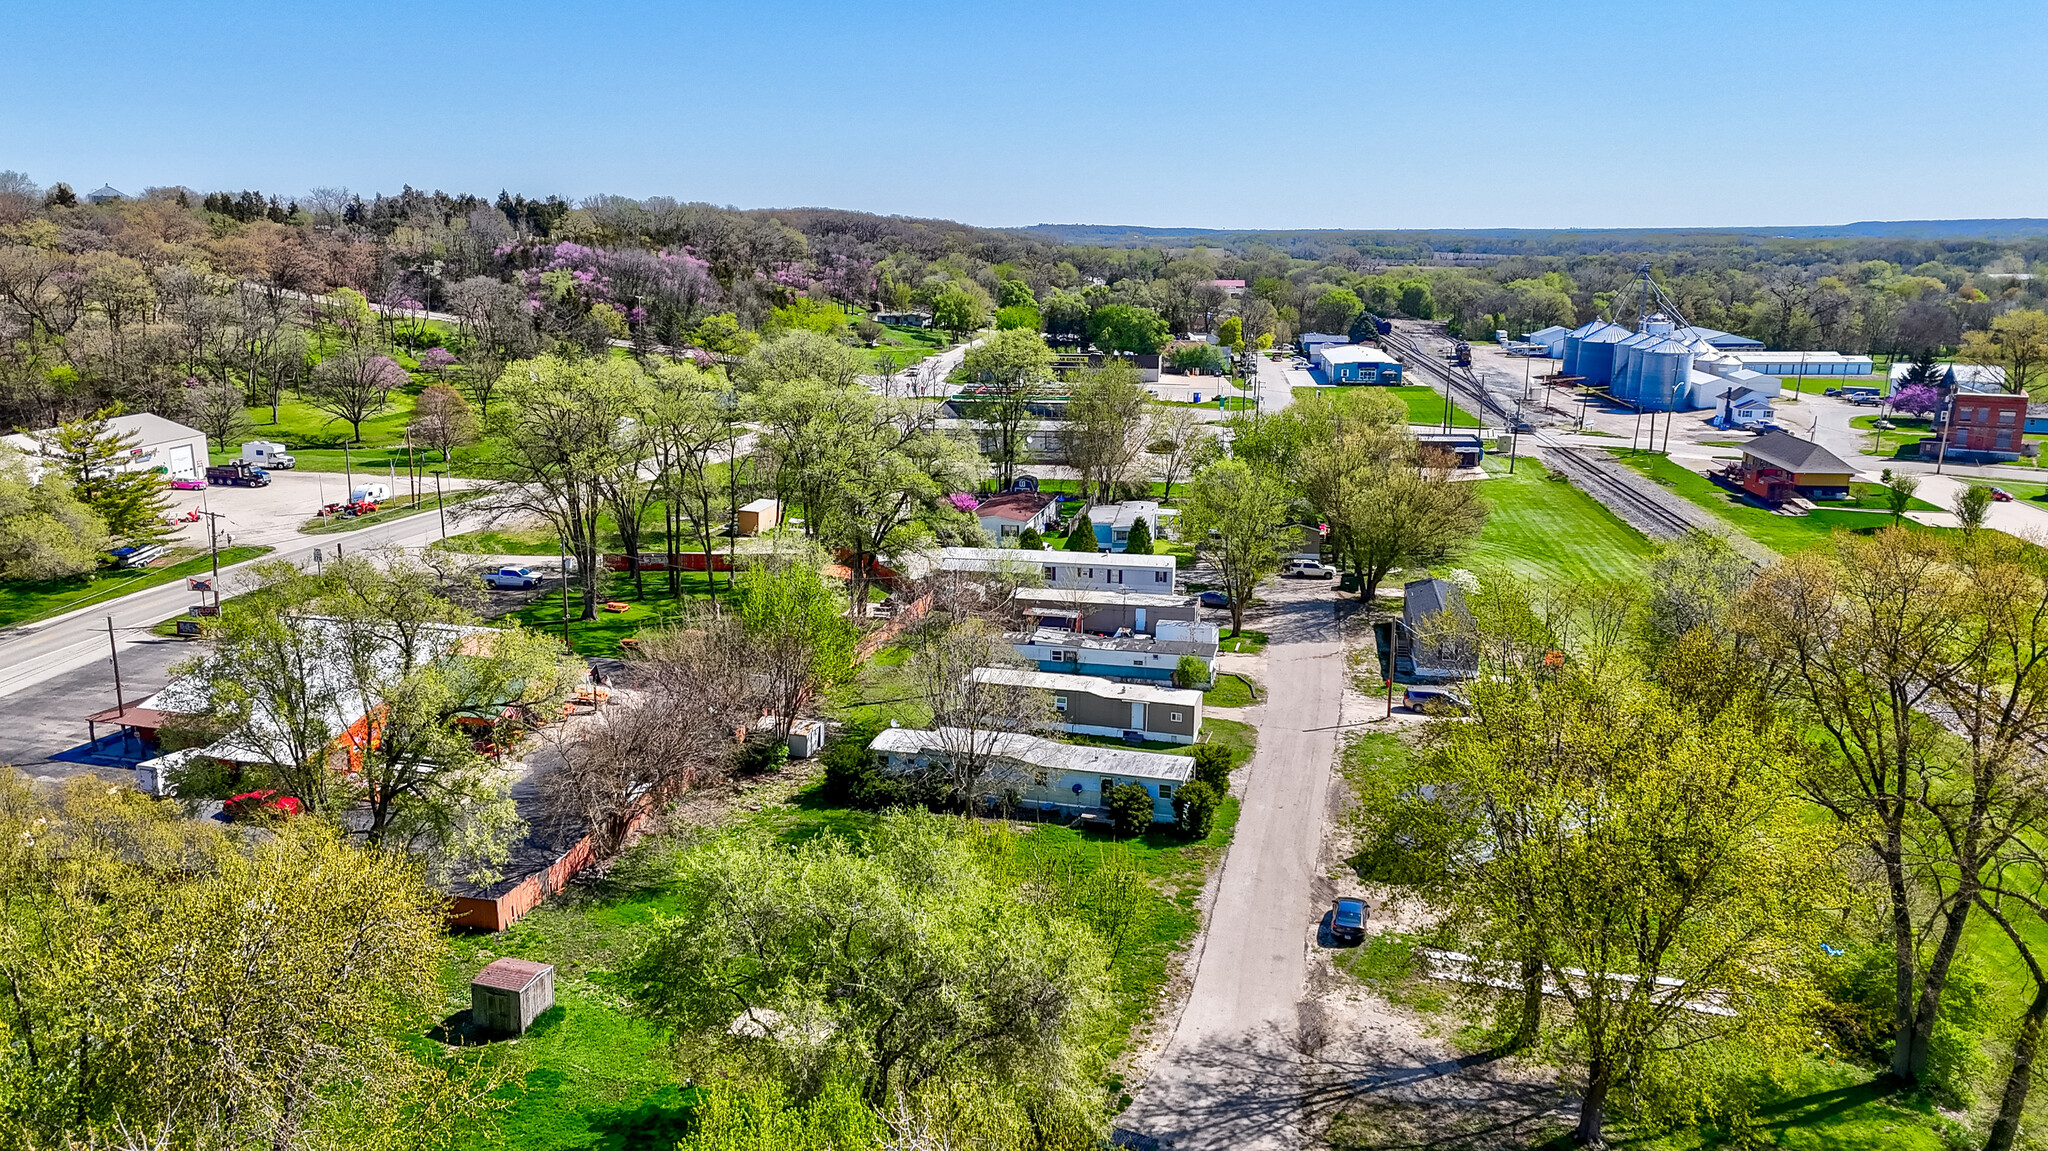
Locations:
{"points": [[601, 636], [1425, 404], [25, 601], [906, 346], [1541, 528], [1782, 534]]}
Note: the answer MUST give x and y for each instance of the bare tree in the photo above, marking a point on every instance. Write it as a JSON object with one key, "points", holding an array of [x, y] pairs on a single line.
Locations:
{"points": [[216, 409], [441, 420], [354, 385], [1182, 445], [974, 720], [1105, 429]]}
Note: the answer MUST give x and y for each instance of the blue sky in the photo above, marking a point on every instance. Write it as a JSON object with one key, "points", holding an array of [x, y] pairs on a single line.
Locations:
{"points": [[1285, 115]]}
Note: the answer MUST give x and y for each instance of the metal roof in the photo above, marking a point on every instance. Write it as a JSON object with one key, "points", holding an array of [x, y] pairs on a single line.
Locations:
{"points": [[1087, 685], [1097, 597], [1784, 450], [1354, 354], [1084, 641], [1043, 754]]}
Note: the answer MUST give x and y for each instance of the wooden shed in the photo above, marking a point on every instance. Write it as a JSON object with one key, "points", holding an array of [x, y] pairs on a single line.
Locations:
{"points": [[509, 994]]}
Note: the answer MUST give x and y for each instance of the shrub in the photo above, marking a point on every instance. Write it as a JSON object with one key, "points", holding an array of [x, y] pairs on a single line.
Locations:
{"points": [[1031, 541], [1140, 542], [1194, 809], [1082, 534], [1130, 806], [853, 778], [1212, 766], [1190, 672], [868, 331]]}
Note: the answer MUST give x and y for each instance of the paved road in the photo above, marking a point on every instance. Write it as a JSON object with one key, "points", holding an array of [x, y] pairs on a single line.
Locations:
{"points": [[33, 653], [1229, 1077]]}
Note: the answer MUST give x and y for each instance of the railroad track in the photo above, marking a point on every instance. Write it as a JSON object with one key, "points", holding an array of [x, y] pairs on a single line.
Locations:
{"points": [[1655, 516], [1461, 381]]}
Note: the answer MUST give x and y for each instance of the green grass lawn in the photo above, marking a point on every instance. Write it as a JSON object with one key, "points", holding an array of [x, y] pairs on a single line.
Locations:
{"points": [[25, 601], [907, 345], [1231, 690], [1247, 642], [1782, 534], [1549, 530], [601, 636], [1426, 406]]}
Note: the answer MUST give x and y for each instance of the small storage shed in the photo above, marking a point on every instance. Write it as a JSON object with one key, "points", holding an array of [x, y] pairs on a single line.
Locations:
{"points": [[759, 516], [509, 994]]}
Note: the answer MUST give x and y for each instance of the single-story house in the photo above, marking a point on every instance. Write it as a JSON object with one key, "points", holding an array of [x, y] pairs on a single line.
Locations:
{"points": [[1779, 466], [1963, 377], [1087, 705], [1140, 657], [1741, 407], [1065, 571], [160, 445], [1044, 773], [2037, 419], [1106, 612], [1113, 522], [1231, 288], [1427, 647], [1007, 516], [1357, 364]]}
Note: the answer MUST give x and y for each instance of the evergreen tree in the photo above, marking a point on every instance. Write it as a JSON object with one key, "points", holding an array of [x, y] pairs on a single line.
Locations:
{"points": [[1140, 542], [95, 459], [1924, 371], [1081, 537], [1030, 541]]}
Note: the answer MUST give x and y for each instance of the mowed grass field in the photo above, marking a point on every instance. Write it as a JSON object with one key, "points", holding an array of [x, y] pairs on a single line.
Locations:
{"points": [[1785, 535], [1546, 529]]}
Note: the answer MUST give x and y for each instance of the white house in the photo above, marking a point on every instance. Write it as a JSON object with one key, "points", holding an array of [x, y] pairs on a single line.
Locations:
{"points": [[1142, 658], [1007, 516], [1742, 407], [1088, 705], [1106, 612], [1061, 569], [160, 445], [1113, 522], [1043, 773]]}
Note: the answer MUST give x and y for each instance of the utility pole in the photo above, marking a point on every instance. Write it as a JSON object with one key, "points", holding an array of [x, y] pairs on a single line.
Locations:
{"points": [[213, 538], [440, 506], [562, 548], [348, 474]]}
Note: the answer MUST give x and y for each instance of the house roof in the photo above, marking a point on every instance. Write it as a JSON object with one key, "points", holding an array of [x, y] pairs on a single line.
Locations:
{"points": [[1424, 598], [1544, 335], [1087, 685], [1307, 338], [510, 974], [985, 559], [1045, 754], [1067, 598], [1784, 450], [764, 504], [1125, 514], [1739, 396], [105, 192], [1423, 601], [1081, 640], [148, 429], [1019, 506]]}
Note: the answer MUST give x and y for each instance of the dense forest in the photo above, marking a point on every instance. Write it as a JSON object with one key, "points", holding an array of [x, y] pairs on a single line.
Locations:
{"points": [[145, 300]]}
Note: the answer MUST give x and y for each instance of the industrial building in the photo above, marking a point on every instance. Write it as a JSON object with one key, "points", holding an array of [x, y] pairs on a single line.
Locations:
{"points": [[160, 445], [1804, 363], [1357, 364], [1664, 367]]}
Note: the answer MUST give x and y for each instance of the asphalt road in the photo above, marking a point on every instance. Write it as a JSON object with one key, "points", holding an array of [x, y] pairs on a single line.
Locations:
{"points": [[34, 653], [1230, 1077]]}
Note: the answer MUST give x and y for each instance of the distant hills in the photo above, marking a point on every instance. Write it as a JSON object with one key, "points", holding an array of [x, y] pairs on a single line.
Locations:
{"points": [[1513, 239]]}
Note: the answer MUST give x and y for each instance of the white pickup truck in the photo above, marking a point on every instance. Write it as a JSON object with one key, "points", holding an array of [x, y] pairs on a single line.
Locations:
{"points": [[1307, 569], [512, 579]]}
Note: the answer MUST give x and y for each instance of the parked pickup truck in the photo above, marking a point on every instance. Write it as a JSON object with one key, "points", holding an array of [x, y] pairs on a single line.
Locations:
{"points": [[512, 579], [237, 475], [1308, 569]]}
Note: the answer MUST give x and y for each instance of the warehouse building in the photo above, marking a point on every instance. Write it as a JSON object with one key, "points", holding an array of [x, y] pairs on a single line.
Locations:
{"points": [[1357, 364], [160, 445]]}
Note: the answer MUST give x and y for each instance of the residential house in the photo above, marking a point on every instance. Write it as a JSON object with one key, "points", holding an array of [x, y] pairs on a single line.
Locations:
{"points": [[1778, 466], [1087, 705], [1045, 774], [1007, 516], [1431, 641], [1231, 288], [1741, 407], [1134, 657], [2037, 419], [1106, 612], [1113, 522], [1356, 364]]}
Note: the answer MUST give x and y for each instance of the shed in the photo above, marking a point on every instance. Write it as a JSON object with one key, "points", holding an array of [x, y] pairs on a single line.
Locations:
{"points": [[509, 994], [759, 516]]}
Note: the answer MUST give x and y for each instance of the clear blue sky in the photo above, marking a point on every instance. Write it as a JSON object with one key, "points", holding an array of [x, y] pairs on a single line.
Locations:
{"points": [[1296, 115]]}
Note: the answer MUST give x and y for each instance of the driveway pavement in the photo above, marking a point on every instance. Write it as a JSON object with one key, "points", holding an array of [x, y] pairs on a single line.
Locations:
{"points": [[1229, 1076]]}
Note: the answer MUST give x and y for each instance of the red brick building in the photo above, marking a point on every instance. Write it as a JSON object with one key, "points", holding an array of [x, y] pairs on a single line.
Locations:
{"points": [[1992, 424]]}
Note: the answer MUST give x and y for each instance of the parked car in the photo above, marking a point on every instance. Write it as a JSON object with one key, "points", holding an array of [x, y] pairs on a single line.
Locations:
{"points": [[512, 579], [2001, 495], [1865, 399], [259, 804], [188, 483], [1421, 698], [1347, 920], [1884, 425], [1215, 599], [1308, 569], [1832, 392]]}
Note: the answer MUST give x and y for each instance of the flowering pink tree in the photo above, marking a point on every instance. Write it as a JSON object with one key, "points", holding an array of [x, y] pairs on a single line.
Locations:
{"points": [[437, 360], [1916, 400], [963, 502]]}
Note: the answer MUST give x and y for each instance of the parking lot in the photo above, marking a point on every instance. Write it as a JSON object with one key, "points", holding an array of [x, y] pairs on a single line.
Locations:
{"points": [[272, 515]]}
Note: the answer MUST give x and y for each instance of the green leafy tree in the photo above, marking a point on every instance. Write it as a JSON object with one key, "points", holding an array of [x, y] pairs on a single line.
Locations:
{"points": [[1065, 316], [720, 332], [1190, 671], [1230, 333], [1898, 493], [1130, 808], [1213, 763], [1972, 506], [94, 459], [1139, 542], [806, 314], [1196, 358], [900, 967], [762, 1117], [1126, 328], [798, 632], [1194, 809], [1416, 300], [1015, 294], [1019, 317], [1334, 311], [1009, 370], [1107, 426], [960, 308], [1081, 534], [46, 532], [1236, 515], [1388, 503]]}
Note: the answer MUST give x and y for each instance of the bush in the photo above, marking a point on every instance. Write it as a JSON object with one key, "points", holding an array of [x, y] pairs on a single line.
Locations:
{"points": [[1140, 541], [1130, 806], [853, 778], [868, 331], [1031, 541], [1082, 534], [1190, 672], [1212, 766], [1194, 809]]}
